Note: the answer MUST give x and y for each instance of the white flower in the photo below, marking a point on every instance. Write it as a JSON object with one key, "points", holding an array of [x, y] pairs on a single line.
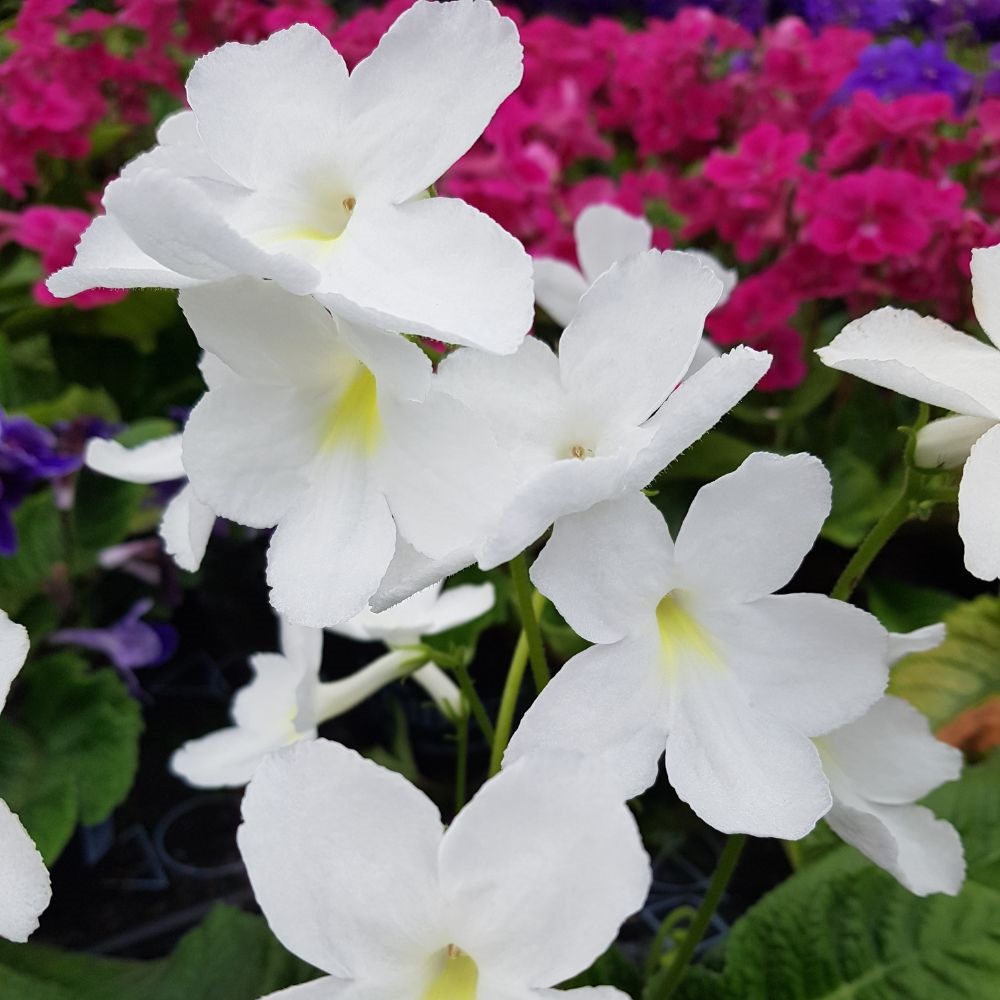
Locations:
{"points": [[924, 358], [605, 235], [513, 443], [695, 654], [878, 767], [286, 700], [24, 883], [299, 433], [356, 874], [290, 169], [187, 523]]}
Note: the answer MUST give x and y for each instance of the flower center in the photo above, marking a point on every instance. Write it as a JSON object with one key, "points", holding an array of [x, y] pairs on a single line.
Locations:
{"points": [[682, 639], [457, 977], [353, 419]]}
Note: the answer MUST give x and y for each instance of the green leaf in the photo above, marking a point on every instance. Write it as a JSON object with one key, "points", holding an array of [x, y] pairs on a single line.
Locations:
{"points": [[859, 498], [231, 956], [611, 969], [69, 748], [903, 607], [39, 548], [74, 401], [713, 455], [103, 514], [964, 671], [842, 929]]}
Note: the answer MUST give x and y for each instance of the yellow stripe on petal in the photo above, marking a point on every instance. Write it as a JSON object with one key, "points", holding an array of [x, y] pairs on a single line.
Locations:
{"points": [[681, 637], [353, 419], [457, 980]]}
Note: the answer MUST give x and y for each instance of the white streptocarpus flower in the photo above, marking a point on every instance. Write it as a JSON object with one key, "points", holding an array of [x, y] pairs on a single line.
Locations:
{"points": [[24, 882], [288, 168], [697, 654], [926, 359], [605, 235], [878, 767], [514, 443], [286, 700], [298, 433], [356, 874], [187, 523]]}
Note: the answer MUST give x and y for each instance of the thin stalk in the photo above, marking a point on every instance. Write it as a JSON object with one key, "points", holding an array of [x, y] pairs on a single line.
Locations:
{"points": [[685, 951], [474, 702], [525, 595], [462, 765], [670, 921], [508, 702]]}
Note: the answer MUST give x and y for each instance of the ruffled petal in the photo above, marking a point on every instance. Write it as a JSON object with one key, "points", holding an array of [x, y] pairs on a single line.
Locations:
{"points": [[558, 288], [14, 645], [186, 528], [977, 516], [226, 758], [536, 917], [426, 93], [920, 357], [25, 890], [746, 533], [606, 568], [605, 235], [156, 461], [312, 815]]}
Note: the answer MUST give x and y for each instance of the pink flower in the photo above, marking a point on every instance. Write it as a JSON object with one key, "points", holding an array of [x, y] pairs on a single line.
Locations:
{"points": [[54, 233], [876, 214]]}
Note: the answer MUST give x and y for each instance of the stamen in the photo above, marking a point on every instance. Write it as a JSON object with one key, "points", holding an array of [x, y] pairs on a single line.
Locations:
{"points": [[349, 203], [578, 451]]}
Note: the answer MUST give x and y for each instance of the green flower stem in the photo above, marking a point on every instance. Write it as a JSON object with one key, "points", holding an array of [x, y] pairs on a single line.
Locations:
{"points": [[685, 951], [474, 702], [511, 690], [462, 765], [666, 929], [886, 526], [524, 592]]}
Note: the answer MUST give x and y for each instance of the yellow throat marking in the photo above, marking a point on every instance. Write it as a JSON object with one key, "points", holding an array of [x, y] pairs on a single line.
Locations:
{"points": [[681, 637], [457, 979], [353, 419]]}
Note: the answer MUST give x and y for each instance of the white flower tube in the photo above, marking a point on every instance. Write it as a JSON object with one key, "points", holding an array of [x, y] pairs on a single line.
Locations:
{"points": [[356, 874], [25, 890], [289, 168], [695, 654]]}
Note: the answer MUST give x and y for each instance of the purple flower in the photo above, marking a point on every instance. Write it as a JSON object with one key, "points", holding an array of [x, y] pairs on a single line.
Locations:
{"points": [[872, 15], [28, 456], [953, 17], [130, 643], [901, 67]]}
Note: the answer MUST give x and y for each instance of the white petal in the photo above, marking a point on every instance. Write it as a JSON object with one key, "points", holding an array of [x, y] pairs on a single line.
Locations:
{"points": [[606, 569], [635, 334], [14, 645], [332, 548], [426, 93], [245, 449], [226, 758], [746, 533], [608, 703], [924, 853], [985, 294], [264, 333], [399, 366], [605, 235], [812, 662], [267, 111], [156, 461], [564, 487], [740, 769], [411, 571], [214, 371], [459, 605], [729, 277], [890, 754], [268, 704], [541, 915], [186, 528], [696, 406], [918, 641], [946, 443], [445, 475], [342, 856], [24, 883], [707, 351], [107, 257], [329, 988], [302, 645], [921, 357], [558, 288], [977, 515], [399, 268], [440, 687], [175, 222]]}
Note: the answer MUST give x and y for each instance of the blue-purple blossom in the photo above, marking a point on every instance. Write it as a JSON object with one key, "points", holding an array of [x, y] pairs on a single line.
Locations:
{"points": [[130, 643], [951, 17], [871, 15], [901, 67], [28, 456]]}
